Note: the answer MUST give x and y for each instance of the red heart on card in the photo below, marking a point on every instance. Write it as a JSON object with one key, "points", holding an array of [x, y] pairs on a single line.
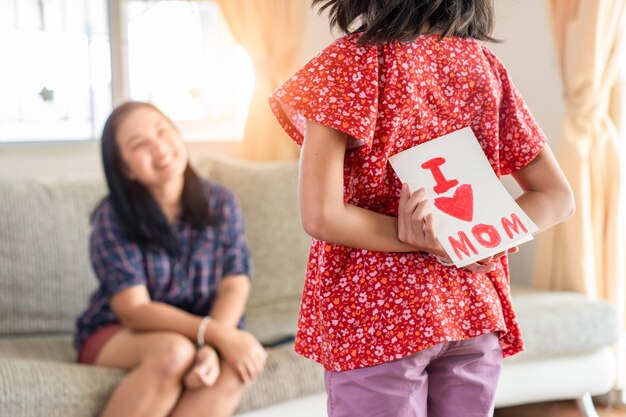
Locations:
{"points": [[460, 205]]}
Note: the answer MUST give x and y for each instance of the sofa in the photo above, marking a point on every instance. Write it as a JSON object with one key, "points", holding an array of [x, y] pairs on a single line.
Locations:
{"points": [[46, 279]]}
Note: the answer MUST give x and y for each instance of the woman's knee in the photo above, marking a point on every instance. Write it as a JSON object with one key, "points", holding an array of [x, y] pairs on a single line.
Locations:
{"points": [[171, 357]]}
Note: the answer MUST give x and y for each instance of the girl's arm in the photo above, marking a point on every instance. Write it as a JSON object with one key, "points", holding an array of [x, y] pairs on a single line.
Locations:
{"points": [[547, 198], [324, 214]]}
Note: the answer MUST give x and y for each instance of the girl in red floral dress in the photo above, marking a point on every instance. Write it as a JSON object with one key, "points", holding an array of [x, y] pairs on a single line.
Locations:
{"points": [[398, 330]]}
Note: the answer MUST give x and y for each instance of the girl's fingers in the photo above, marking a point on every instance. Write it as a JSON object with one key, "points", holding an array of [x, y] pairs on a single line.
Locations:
{"points": [[480, 268], [407, 201], [429, 228], [414, 214], [416, 198], [402, 224], [407, 206], [499, 255], [420, 212], [486, 260]]}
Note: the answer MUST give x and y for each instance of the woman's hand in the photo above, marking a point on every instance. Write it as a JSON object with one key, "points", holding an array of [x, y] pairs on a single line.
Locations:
{"points": [[205, 370], [240, 349], [416, 228]]}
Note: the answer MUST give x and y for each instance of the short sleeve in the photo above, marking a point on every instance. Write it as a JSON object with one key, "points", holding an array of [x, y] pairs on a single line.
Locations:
{"points": [[338, 88], [116, 261], [520, 137], [236, 254]]}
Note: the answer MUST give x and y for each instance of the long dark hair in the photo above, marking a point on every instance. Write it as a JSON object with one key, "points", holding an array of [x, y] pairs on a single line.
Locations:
{"points": [[141, 216], [403, 20]]}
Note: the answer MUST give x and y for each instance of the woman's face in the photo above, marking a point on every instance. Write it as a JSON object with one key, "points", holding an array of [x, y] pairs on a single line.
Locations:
{"points": [[151, 148]]}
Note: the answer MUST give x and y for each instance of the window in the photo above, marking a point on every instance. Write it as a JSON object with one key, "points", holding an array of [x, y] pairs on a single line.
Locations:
{"points": [[183, 58], [57, 83], [71, 59]]}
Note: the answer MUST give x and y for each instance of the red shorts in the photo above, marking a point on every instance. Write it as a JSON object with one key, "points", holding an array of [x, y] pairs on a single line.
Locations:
{"points": [[94, 343]]}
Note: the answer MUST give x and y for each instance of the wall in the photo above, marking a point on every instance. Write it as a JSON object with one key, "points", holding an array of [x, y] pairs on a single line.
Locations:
{"points": [[527, 51]]}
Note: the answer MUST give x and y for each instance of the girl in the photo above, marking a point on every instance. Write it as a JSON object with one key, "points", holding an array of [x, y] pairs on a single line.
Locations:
{"points": [[169, 252], [398, 330]]}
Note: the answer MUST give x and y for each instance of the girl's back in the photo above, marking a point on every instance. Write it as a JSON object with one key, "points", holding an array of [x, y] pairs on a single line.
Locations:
{"points": [[411, 334], [387, 98], [393, 96]]}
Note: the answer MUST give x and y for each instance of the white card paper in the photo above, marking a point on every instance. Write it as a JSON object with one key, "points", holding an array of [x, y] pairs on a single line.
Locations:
{"points": [[475, 217]]}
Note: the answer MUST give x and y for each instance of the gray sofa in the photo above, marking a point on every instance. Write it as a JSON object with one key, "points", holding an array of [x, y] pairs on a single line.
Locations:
{"points": [[45, 281]]}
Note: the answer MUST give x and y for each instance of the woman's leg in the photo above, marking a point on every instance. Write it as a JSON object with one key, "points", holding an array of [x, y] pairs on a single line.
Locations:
{"points": [[463, 380], [219, 400], [157, 360]]}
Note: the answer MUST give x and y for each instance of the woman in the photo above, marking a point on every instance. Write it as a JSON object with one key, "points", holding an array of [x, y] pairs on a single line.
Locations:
{"points": [[169, 252]]}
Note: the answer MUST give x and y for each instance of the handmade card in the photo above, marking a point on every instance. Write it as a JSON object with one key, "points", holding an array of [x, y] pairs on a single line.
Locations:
{"points": [[475, 217]]}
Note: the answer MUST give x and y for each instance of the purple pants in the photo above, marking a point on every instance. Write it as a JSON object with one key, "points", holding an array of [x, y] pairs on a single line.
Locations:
{"points": [[452, 379]]}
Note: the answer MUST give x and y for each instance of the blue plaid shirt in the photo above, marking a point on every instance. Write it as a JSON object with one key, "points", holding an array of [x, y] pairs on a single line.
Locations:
{"points": [[188, 280]]}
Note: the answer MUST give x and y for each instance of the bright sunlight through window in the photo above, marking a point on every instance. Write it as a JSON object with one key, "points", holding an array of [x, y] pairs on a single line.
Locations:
{"points": [[57, 81], [56, 75], [183, 58]]}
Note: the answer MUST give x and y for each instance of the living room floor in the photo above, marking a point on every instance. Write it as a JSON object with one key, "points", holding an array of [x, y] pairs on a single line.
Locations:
{"points": [[558, 409]]}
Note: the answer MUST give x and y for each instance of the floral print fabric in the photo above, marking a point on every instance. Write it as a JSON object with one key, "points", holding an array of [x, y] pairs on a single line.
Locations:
{"points": [[361, 308]]}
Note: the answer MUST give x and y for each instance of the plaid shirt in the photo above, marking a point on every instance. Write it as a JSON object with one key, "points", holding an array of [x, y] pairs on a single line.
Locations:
{"points": [[188, 280]]}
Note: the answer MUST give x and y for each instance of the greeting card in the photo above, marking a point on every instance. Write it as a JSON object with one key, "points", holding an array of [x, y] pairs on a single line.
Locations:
{"points": [[475, 217]]}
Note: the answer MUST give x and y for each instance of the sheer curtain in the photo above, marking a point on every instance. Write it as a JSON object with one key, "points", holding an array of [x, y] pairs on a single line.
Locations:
{"points": [[582, 254], [271, 31]]}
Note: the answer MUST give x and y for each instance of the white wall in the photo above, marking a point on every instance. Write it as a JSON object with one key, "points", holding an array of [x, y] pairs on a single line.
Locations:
{"points": [[527, 51]]}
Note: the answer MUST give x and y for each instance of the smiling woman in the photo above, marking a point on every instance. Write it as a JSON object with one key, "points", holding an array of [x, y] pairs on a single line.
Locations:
{"points": [[170, 255]]}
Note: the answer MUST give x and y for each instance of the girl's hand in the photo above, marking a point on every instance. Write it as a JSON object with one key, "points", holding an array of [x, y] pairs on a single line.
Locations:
{"points": [[240, 349], [489, 262], [416, 228], [415, 224]]}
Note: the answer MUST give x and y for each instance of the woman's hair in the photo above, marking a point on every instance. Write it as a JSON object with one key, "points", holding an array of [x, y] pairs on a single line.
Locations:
{"points": [[140, 215], [404, 20]]}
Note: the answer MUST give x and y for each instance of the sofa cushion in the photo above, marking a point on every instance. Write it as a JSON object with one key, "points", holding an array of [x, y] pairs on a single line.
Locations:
{"points": [[268, 194], [45, 276], [562, 323], [44, 382]]}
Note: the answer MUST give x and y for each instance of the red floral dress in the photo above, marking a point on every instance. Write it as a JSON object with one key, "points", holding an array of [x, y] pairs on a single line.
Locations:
{"points": [[362, 308]]}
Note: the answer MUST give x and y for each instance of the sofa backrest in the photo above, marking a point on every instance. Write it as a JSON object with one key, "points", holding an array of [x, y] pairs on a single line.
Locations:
{"points": [[268, 195], [45, 274]]}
